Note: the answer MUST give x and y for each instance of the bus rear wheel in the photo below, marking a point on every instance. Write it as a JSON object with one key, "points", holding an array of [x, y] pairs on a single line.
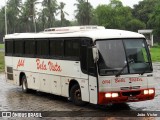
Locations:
{"points": [[75, 94], [24, 84]]}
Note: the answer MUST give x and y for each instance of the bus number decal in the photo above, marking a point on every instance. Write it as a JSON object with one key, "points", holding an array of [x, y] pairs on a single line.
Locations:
{"points": [[106, 82], [20, 63]]}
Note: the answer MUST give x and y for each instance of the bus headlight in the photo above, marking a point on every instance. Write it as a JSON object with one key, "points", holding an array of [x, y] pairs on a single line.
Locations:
{"points": [[113, 95], [151, 91], [108, 95], [145, 92]]}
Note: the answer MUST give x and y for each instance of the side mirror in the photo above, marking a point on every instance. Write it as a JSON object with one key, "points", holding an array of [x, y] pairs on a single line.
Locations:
{"points": [[95, 54]]}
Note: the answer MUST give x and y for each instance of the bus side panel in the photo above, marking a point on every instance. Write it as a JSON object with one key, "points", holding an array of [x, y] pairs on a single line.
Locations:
{"points": [[9, 69], [45, 83], [84, 89], [93, 89], [55, 84]]}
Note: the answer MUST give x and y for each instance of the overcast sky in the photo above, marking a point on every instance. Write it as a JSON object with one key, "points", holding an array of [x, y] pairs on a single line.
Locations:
{"points": [[69, 8]]}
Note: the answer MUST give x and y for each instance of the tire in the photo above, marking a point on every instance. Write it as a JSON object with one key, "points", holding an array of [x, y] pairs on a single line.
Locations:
{"points": [[75, 94], [24, 84]]}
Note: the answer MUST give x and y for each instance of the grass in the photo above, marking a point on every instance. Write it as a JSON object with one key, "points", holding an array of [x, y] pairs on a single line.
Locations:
{"points": [[1, 61], [155, 53], [1, 46]]}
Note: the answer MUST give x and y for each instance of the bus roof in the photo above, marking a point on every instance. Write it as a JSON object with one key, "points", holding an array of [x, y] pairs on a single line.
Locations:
{"points": [[99, 33]]}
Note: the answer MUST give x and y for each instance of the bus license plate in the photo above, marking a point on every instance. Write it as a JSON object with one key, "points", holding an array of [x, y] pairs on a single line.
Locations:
{"points": [[131, 98]]}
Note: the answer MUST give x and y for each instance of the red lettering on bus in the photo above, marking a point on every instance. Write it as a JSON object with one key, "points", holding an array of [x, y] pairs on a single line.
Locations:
{"points": [[117, 80], [106, 82], [41, 65], [135, 79], [20, 63], [54, 67]]}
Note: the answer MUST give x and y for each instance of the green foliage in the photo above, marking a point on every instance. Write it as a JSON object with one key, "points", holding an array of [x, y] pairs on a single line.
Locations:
{"points": [[154, 20], [1, 62], [155, 53], [113, 15], [83, 12], [1, 46], [135, 25]]}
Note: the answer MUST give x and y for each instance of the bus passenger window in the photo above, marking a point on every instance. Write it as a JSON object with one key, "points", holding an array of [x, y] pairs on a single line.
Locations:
{"points": [[56, 48], [9, 47], [18, 47], [42, 48], [30, 48]]}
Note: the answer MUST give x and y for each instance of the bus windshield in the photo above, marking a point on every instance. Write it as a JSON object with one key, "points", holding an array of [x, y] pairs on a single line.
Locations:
{"points": [[116, 56]]}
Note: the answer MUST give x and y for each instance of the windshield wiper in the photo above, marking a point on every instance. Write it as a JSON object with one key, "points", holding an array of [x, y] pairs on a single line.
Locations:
{"points": [[120, 71]]}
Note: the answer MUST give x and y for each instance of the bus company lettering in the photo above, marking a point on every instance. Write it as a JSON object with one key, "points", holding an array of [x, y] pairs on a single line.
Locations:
{"points": [[41, 65], [51, 66], [20, 63], [106, 82], [118, 80], [54, 67], [135, 79]]}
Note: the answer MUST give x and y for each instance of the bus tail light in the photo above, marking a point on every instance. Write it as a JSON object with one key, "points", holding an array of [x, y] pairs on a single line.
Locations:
{"points": [[150, 91], [113, 95]]}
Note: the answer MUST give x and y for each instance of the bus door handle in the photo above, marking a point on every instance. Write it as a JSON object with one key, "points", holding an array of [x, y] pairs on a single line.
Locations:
{"points": [[92, 89]]}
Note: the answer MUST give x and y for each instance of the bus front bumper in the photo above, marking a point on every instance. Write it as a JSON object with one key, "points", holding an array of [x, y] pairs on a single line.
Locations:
{"points": [[125, 96]]}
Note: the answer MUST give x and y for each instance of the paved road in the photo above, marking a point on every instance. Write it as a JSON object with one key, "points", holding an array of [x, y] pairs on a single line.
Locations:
{"points": [[13, 99]]}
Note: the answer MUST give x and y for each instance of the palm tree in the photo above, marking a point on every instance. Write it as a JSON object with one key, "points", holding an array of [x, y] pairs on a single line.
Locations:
{"points": [[62, 12], [28, 15], [13, 14], [83, 12], [50, 8]]}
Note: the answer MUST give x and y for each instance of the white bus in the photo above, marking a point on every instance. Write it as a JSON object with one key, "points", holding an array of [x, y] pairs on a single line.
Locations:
{"points": [[88, 64]]}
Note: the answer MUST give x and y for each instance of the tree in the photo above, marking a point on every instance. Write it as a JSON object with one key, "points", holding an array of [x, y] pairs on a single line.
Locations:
{"points": [[144, 9], [154, 21], [13, 14], [83, 12], [49, 10], [62, 12], [114, 15], [135, 25], [28, 15]]}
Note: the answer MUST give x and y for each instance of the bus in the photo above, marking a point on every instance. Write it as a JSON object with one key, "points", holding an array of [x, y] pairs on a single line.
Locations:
{"points": [[86, 64]]}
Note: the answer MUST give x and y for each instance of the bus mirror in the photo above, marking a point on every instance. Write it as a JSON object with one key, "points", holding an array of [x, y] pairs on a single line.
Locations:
{"points": [[95, 54]]}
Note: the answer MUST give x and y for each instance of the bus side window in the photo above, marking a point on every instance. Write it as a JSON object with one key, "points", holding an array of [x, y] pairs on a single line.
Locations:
{"points": [[43, 48], [29, 48], [9, 48], [56, 48], [19, 48], [72, 48]]}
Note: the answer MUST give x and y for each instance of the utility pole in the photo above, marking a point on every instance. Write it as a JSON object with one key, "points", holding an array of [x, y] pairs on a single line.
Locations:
{"points": [[6, 17], [87, 12], [34, 19]]}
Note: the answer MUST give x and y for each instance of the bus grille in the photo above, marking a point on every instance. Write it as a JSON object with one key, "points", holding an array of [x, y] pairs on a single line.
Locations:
{"points": [[130, 88], [132, 93]]}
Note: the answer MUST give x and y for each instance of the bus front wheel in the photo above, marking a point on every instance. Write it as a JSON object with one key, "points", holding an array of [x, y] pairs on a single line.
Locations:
{"points": [[24, 84], [75, 94]]}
